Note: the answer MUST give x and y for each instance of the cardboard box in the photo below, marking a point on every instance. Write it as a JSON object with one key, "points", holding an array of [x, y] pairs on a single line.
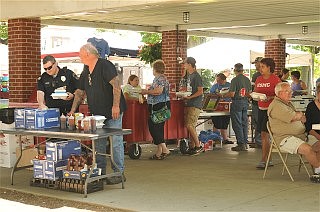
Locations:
{"points": [[27, 156], [7, 159], [223, 106], [208, 145], [80, 174], [51, 170], [8, 146], [62, 150], [19, 118], [38, 168], [34, 119], [38, 119]]}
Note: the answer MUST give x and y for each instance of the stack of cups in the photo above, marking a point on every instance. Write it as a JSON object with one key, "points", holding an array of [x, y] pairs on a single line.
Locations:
{"points": [[5, 83]]}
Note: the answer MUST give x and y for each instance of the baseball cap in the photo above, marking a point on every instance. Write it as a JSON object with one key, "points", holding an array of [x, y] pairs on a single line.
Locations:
{"points": [[190, 60], [258, 59], [238, 67]]}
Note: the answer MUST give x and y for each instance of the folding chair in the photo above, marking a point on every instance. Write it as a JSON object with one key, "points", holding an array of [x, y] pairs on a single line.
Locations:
{"points": [[275, 148]]}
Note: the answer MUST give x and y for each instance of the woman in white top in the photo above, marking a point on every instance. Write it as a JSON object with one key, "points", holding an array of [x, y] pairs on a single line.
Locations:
{"points": [[132, 90]]}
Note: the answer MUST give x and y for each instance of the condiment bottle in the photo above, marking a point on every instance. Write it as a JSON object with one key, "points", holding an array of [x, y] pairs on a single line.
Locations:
{"points": [[63, 122], [86, 124], [93, 123], [71, 124]]}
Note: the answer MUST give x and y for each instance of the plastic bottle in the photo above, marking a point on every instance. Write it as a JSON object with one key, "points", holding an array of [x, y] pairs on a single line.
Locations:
{"points": [[93, 123], [86, 124], [63, 122], [71, 124]]}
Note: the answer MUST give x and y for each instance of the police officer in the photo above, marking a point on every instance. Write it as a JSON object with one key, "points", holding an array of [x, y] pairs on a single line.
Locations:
{"points": [[54, 78]]}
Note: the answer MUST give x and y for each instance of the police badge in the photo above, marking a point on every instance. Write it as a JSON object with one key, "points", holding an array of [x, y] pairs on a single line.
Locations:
{"points": [[63, 78]]}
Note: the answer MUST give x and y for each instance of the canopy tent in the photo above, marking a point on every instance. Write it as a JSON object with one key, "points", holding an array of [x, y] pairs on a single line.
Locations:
{"points": [[294, 57], [222, 53], [4, 58]]}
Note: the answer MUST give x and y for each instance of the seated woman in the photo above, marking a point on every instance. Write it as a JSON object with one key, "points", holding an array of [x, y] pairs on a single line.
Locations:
{"points": [[297, 85], [221, 122], [132, 90], [313, 117]]}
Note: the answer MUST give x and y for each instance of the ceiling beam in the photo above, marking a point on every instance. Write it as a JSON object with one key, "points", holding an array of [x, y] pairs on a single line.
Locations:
{"points": [[105, 25]]}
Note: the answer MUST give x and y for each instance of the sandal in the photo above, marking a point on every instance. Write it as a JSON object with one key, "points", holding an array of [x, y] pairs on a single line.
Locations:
{"points": [[156, 157], [164, 155]]}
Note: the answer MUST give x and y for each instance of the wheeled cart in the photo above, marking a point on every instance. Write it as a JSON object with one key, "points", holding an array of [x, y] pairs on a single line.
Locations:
{"points": [[136, 118]]}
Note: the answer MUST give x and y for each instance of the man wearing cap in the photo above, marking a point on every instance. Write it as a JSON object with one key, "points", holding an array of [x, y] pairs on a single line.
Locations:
{"points": [[193, 105], [255, 108], [240, 89]]}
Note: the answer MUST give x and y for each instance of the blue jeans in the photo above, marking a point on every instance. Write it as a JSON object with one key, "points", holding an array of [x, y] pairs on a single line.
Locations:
{"points": [[118, 148], [239, 118], [257, 135]]}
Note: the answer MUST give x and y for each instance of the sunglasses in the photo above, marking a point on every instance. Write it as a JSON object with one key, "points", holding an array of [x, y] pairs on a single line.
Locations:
{"points": [[49, 68]]}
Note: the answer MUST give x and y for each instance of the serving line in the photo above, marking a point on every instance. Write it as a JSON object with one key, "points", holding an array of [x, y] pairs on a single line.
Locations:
{"points": [[77, 135]]}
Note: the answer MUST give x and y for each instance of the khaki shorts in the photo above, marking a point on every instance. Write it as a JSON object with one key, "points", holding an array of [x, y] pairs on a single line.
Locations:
{"points": [[291, 144], [191, 115], [312, 140]]}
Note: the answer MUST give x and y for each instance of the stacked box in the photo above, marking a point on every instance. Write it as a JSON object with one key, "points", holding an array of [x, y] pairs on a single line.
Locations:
{"points": [[19, 118], [61, 150], [34, 119], [80, 174], [51, 170], [38, 119], [8, 146], [38, 168]]}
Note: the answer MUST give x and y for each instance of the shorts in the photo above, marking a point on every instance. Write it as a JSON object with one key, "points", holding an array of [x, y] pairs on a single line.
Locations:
{"points": [[291, 144], [191, 115], [312, 140], [262, 121], [220, 122]]}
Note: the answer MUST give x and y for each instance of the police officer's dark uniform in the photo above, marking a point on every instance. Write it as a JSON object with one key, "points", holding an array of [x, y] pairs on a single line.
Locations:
{"points": [[48, 84]]}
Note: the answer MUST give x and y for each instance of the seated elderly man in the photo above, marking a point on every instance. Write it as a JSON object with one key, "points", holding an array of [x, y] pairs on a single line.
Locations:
{"points": [[288, 128]]}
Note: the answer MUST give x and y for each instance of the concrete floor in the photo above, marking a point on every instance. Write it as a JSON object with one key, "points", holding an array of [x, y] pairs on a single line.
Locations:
{"points": [[218, 180]]}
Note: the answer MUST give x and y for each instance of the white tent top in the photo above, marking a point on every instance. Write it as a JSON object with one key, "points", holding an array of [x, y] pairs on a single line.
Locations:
{"points": [[222, 53], [294, 57], [4, 58]]}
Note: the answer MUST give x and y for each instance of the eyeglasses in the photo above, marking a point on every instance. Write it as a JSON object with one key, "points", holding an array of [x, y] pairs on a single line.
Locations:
{"points": [[49, 68], [89, 79], [287, 91]]}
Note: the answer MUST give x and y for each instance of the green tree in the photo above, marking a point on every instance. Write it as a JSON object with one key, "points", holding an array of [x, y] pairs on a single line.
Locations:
{"points": [[151, 51], [314, 50], [151, 38], [207, 78], [4, 33]]}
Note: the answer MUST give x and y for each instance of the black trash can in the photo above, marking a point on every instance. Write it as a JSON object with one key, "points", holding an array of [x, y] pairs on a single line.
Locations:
{"points": [[7, 115]]}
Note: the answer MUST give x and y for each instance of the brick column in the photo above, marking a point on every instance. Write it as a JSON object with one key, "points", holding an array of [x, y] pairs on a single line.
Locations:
{"points": [[276, 49], [174, 44], [24, 46]]}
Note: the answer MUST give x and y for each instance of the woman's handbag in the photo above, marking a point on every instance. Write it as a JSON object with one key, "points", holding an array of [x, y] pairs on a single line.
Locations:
{"points": [[161, 115]]}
